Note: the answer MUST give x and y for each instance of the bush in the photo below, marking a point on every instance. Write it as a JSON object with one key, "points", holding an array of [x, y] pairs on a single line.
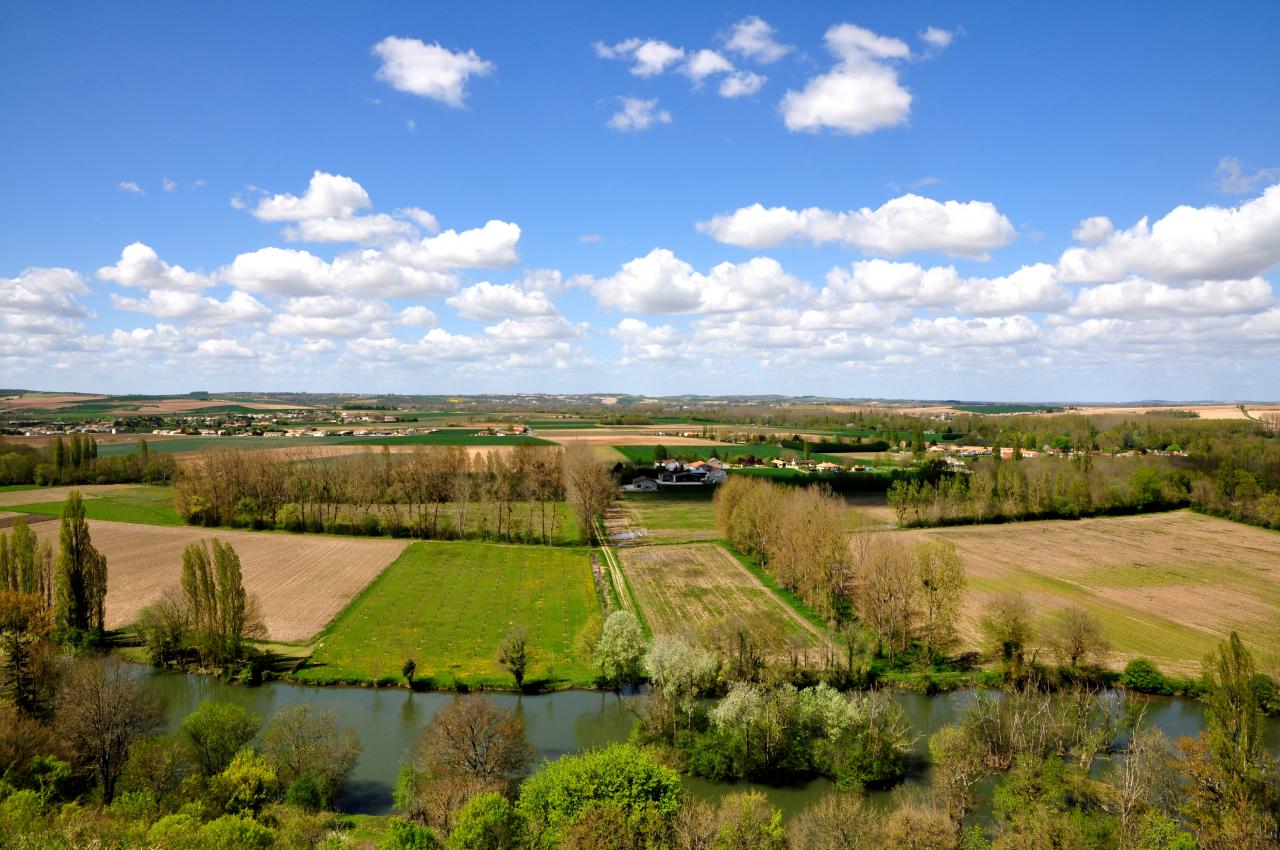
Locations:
{"points": [[304, 792], [488, 821], [174, 832], [406, 835], [621, 776], [1143, 676], [234, 832]]}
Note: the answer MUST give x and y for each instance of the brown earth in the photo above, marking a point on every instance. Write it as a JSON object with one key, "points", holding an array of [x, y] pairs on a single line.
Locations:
{"points": [[302, 581], [58, 494], [1166, 586]]}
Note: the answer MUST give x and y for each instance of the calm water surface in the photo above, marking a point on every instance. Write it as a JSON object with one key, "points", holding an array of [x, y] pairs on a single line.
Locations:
{"points": [[387, 721]]}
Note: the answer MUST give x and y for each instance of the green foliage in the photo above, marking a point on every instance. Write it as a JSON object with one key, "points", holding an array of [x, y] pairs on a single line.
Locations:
{"points": [[81, 573], [621, 775], [215, 732], [1142, 675], [304, 792], [235, 832], [249, 783], [488, 821], [175, 832], [302, 743], [620, 650], [406, 835]]}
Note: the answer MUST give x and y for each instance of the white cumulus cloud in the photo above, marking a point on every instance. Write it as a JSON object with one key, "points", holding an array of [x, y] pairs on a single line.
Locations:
{"points": [[140, 266], [486, 301], [638, 114], [1189, 243], [428, 70], [754, 39], [901, 225], [860, 94]]}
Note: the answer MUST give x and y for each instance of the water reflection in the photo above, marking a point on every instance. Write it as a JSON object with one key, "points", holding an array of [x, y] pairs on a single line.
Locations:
{"points": [[386, 722]]}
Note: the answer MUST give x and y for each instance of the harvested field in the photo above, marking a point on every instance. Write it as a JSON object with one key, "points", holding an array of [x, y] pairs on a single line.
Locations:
{"points": [[1165, 586], [595, 437], [302, 581], [448, 604], [701, 591], [44, 401], [58, 494]]}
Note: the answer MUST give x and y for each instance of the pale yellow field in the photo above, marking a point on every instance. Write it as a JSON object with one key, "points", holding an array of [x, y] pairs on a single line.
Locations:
{"points": [[1165, 586], [302, 581]]}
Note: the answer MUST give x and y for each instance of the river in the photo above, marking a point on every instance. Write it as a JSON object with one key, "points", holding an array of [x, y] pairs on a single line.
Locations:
{"points": [[387, 720]]}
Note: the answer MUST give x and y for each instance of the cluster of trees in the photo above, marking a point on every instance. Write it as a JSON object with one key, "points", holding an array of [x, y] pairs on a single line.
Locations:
{"points": [[797, 533], [200, 785], [1041, 488], [75, 461], [907, 596], [433, 492], [1052, 488], [209, 617], [26, 564]]}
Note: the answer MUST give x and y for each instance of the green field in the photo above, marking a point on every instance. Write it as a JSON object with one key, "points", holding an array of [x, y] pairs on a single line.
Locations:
{"points": [[644, 454], [458, 437], [12, 488], [448, 604], [151, 505], [176, 445], [673, 515]]}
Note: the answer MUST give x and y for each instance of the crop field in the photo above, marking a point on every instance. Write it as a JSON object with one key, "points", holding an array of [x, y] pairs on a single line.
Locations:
{"points": [[302, 581], [1165, 586], [152, 505], [447, 605], [672, 516], [644, 453], [23, 494], [180, 445], [700, 591]]}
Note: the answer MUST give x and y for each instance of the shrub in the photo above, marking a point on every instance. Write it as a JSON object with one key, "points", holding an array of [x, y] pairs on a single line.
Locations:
{"points": [[488, 821], [234, 832], [174, 832], [622, 776], [406, 835], [304, 792], [1143, 676]]}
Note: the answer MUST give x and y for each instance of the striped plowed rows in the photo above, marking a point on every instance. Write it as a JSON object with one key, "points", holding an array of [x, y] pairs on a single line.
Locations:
{"points": [[701, 592], [302, 581], [1166, 586]]}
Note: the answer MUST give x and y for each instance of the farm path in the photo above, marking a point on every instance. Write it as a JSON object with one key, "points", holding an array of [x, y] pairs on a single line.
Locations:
{"points": [[620, 522], [820, 634]]}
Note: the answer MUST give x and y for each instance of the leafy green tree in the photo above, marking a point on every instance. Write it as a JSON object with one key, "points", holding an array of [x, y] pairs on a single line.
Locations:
{"points": [[1007, 626], [622, 777], [1234, 718], [215, 732], [223, 616], [621, 649], [248, 783], [487, 822], [514, 653], [407, 669], [81, 576]]}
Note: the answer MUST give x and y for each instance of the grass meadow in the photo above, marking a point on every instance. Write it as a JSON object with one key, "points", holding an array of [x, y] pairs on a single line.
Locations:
{"points": [[144, 503], [448, 604], [673, 515]]}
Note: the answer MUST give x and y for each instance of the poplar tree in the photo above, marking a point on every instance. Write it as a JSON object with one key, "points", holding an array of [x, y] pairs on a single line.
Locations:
{"points": [[222, 614], [81, 577]]}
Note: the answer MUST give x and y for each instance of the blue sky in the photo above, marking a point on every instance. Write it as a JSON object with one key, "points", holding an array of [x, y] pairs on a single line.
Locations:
{"points": [[898, 200]]}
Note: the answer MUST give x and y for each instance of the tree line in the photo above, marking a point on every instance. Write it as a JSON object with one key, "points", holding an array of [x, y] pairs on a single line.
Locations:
{"points": [[75, 460], [435, 492]]}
